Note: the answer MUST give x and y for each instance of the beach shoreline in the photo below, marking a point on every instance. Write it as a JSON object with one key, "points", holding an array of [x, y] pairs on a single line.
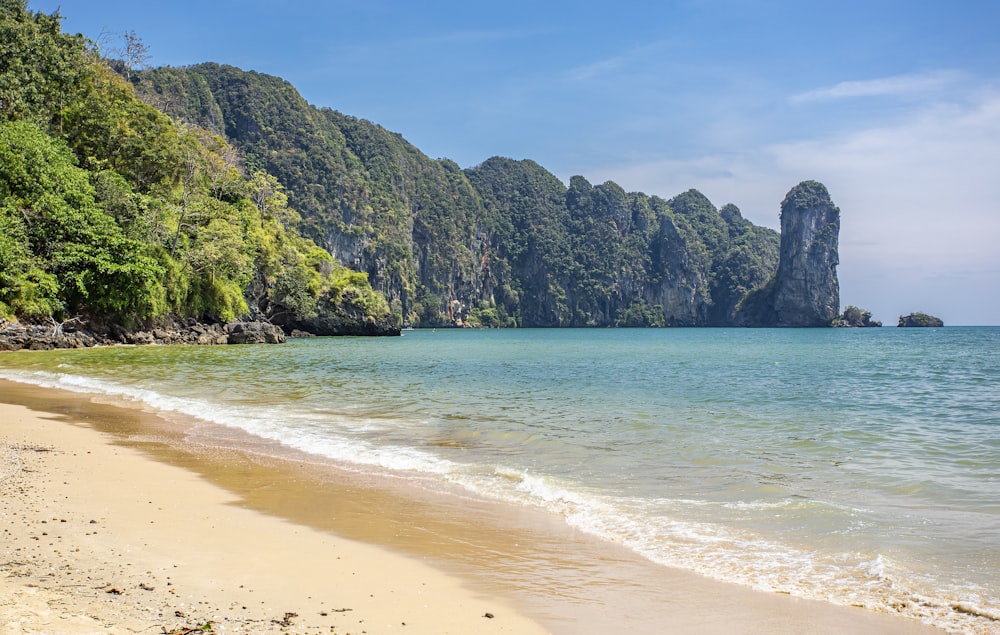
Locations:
{"points": [[99, 538], [188, 536]]}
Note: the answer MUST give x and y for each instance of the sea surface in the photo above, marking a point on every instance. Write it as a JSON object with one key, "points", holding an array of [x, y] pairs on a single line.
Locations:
{"points": [[856, 466]]}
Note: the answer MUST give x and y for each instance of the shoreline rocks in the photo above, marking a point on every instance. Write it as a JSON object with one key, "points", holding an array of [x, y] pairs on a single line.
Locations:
{"points": [[15, 336]]}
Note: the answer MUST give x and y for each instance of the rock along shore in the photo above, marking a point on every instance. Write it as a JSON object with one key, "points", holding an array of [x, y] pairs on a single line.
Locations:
{"points": [[15, 336]]}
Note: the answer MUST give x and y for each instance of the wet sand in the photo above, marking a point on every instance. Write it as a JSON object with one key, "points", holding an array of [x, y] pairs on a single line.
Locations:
{"points": [[225, 532]]}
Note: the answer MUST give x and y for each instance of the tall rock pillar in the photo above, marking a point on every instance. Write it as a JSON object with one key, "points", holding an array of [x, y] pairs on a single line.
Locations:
{"points": [[806, 290]]}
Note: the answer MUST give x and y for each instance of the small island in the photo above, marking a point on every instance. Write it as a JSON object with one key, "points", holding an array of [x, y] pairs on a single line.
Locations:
{"points": [[853, 317], [919, 319]]}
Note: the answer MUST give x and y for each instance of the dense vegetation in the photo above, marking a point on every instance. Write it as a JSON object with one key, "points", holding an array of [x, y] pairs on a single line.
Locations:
{"points": [[208, 192], [112, 211], [502, 243]]}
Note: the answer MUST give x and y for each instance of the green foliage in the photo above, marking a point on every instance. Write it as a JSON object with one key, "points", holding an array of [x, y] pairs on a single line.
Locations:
{"points": [[805, 195], [749, 260], [49, 202], [490, 316], [639, 314], [41, 68], [352, 287], [214, 193], [109, 128], [25, 288], [295, 289], [506, 237], [697, 210], [527, 223], [111, 210]]}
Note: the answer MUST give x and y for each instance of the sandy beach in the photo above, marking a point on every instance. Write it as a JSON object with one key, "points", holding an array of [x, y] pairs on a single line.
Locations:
{"points": [[99, 539], [102, 534]]}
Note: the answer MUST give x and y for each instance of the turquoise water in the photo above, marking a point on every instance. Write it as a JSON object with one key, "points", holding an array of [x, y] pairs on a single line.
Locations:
{"points": [[854, 466]]}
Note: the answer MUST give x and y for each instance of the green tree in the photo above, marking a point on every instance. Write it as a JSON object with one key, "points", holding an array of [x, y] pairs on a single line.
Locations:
{"points": [[48, 202]]}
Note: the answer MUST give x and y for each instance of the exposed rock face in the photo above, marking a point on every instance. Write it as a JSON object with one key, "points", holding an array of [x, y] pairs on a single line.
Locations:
{"points": [[919, 319], [682, 289], [805, 291]]}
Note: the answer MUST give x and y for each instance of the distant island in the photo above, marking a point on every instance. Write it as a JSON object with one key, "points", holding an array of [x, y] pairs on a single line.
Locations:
{"points": [[853, 317], [138, 200], [919, 319]]}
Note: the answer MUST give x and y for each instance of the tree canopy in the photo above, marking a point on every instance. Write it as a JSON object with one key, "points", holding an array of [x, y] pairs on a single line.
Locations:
{"points": [[111, 210]]}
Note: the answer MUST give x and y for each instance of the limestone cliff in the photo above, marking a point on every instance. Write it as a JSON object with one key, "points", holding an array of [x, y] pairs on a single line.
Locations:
{"points": [[503, 243], [807, 292], [682, 287], [804, 291]]}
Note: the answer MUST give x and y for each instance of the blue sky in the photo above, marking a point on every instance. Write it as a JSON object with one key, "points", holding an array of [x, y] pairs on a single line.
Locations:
{"points": [[894, 105]]}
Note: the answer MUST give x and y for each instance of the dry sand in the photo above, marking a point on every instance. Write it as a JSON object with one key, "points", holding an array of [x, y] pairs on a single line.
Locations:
{"points": [[99, 534], [97, 538]]}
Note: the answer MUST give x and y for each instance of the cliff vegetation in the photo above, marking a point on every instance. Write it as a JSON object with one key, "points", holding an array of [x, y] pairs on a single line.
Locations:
{"points": [[504, 243], [140, 196]]}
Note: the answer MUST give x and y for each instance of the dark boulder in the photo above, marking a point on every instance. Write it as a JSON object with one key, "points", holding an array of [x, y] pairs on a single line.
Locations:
{"points": [[919, 319], [254, 333]]}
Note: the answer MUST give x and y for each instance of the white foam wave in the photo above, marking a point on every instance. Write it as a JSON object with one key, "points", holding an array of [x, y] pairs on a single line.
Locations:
{"points": [[730, 555], [295, 430]]}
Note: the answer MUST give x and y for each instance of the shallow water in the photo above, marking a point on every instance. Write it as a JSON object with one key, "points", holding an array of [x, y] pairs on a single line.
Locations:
{"points": [[855, 466]]}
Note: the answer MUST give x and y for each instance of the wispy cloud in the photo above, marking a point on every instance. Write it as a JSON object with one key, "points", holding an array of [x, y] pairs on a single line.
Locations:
{"points": [[615, 63], [895, 86]]}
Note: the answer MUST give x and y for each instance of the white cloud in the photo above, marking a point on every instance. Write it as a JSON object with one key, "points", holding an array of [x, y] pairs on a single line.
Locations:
{"points": [[895, 86]]}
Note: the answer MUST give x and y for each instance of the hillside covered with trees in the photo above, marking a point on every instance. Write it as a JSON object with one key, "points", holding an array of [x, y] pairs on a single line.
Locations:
{"points": [[213, 193], [113, 212], [501, 243]]}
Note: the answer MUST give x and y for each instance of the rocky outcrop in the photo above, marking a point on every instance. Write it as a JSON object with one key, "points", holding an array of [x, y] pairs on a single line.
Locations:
{"points": [[15, 336], [805, 291], [345, 316], [254, 333], [853, 317], [919, 319]]}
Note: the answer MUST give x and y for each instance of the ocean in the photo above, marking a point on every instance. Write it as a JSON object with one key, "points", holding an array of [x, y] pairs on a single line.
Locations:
{"points": [[854, 466]]}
